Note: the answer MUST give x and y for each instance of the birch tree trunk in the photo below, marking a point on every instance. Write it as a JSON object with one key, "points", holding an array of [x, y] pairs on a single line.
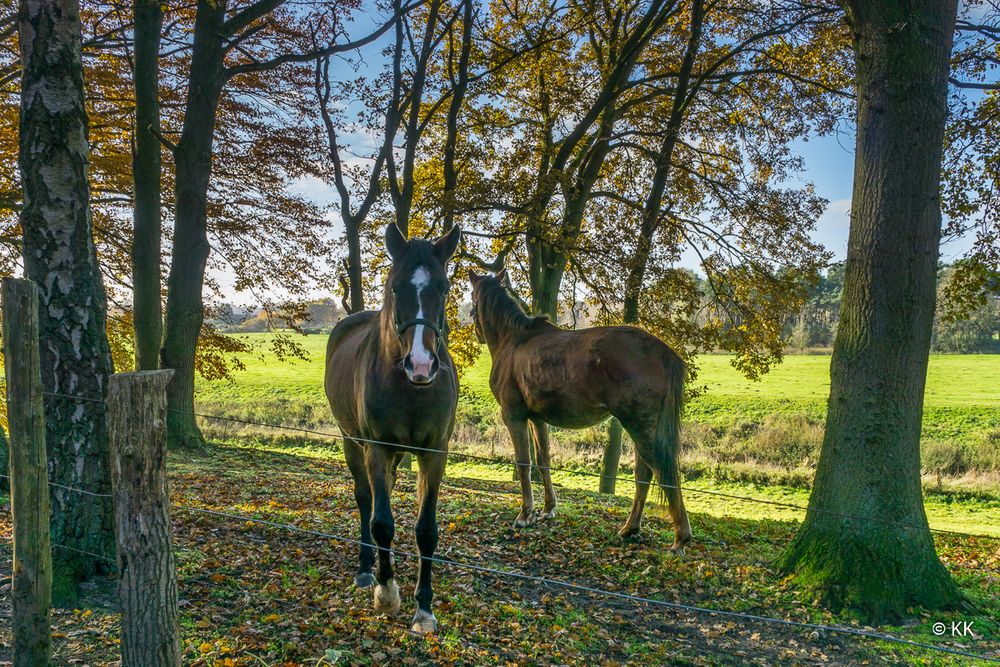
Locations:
{"points": [[59, 256]]}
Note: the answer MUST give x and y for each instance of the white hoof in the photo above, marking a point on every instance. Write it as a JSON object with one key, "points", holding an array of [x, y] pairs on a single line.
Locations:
{"points": [[525, 519], [387, 598], [424, 623]]}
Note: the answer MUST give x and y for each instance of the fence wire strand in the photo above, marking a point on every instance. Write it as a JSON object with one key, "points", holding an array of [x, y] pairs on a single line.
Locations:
{"points": [[340, 435]]}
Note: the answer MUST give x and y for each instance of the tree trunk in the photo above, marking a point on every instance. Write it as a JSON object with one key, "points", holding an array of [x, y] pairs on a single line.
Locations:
{"points": [[545, 272], [193, 157], [869, 465], [59, 256], [4, 462], [352, 230], [612, 457], [147, 319]]}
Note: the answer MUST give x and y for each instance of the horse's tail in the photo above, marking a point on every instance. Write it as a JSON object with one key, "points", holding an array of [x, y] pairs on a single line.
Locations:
{"points": [[668, 440]]}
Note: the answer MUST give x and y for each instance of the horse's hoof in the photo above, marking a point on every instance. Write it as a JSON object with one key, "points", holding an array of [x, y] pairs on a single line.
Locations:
{"points": [[524, 520], [364, 580], [387, 598], [677, 551], [549, 514], [424, 623], [627, 535]]}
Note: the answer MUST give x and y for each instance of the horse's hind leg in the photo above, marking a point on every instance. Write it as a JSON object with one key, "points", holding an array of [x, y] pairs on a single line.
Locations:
{"points": [[643, 476], [428, 484], [541, 432], [519, 434], [383, 528], [671, 484], [355, 456]]}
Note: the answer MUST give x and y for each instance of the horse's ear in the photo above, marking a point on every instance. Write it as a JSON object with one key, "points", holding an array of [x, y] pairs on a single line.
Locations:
{"points": [[446, 246], [474, 278], [502, 277], [394, 241]]}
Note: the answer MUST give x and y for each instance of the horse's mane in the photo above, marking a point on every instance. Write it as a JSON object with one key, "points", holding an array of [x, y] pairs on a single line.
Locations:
{"points": [[502, 311]]}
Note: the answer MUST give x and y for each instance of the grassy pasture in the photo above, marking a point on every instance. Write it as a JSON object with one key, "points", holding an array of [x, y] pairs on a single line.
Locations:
{"points": [[766, 431]]}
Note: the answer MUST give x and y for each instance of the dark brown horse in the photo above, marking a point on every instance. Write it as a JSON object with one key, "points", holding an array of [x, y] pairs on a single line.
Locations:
{"points": [[573, 379], [390, 379]]}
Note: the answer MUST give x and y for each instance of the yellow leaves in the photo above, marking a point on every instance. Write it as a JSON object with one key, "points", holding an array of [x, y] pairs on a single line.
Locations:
{"points": [[218, 578], [205, 647], [272, 618]]}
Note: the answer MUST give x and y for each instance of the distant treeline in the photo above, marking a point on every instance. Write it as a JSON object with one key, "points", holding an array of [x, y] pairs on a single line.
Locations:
{"points": [[815, 326]]}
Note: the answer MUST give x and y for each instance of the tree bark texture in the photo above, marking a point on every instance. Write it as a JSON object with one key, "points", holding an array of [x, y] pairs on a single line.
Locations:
{"points": [[32, 585], [869, 465], [146, 166], [59, 256], [147, 587], [193, 158]]}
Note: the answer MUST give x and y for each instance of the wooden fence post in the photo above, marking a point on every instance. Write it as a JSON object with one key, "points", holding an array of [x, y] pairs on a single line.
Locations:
{"points": [[32, 586], [147, 589]]}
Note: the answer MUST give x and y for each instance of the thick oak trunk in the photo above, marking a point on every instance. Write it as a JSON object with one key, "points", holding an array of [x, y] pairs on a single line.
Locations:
{"points": [[193, 157], [146, 175], [59, 256], [869, 466]]}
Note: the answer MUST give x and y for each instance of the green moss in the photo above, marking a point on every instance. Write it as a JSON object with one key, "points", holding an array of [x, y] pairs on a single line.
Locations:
{"points": [[877, 573]]}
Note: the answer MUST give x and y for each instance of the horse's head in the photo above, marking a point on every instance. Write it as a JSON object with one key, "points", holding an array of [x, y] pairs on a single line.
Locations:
{"points": [[478, 284], [416, 292]]}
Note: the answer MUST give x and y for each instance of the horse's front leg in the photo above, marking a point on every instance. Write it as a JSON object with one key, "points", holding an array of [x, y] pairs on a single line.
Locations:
{"points": [[541, 431], [377, 461], [428, 483], [519, 435], [355, 456]]}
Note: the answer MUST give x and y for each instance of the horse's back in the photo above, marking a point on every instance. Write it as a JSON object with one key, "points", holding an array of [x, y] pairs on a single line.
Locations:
{"points": [[351, 324], [574, 378]]}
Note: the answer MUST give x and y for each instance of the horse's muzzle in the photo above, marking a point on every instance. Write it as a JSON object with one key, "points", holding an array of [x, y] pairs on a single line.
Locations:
{"points": [[421, 372]]}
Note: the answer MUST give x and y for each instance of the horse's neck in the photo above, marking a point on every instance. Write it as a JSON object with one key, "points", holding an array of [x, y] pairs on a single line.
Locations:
{"points": [[385, 343]]}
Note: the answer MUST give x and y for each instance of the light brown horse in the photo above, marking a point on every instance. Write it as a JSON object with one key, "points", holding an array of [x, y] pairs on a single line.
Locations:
{"points": [[573, 379], [390, 379]]}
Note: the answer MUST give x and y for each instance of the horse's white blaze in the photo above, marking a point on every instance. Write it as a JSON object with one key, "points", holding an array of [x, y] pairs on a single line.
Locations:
{"points": [[420, 355]]}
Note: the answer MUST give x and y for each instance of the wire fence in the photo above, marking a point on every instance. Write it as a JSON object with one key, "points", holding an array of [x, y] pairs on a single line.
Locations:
{"points": [[557, 583], [339, 435]]}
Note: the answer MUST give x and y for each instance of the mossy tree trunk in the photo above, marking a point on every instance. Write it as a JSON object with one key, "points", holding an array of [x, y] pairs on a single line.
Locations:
{"points": [[869, 465], [148, 321], [185, 310], [59, 256]]}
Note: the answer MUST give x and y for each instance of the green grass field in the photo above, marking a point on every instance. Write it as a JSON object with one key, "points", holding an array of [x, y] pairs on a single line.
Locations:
{"points": [[766, 432], [962, 400], [954, 381]]}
